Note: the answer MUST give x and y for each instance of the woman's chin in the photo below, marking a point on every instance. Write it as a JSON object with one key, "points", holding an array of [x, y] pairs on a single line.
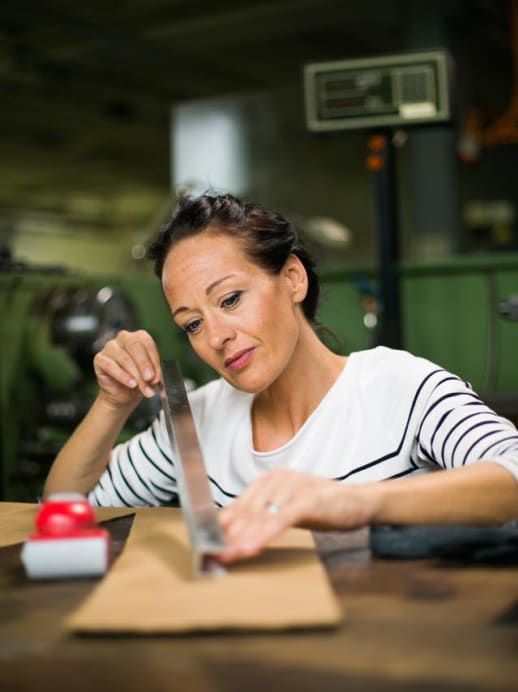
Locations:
{"points": [[245, 382]]}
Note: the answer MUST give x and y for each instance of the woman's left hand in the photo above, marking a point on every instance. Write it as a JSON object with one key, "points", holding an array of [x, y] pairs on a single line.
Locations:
{"points": [[283, 498]]}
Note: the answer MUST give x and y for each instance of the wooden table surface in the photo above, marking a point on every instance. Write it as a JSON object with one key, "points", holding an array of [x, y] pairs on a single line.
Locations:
{"points": [[425, 625]]}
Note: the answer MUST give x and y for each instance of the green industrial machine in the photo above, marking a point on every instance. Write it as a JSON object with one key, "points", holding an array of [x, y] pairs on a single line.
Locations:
{"points": [[52, 323], [461, 313]]}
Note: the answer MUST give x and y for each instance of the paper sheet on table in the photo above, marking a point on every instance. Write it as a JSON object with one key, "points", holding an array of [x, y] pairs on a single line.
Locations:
{"points": [[150, 588], [17, 519]]}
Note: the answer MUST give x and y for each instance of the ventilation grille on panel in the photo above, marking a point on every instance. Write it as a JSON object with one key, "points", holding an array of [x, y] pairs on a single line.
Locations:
{"points": [[414, 85]]}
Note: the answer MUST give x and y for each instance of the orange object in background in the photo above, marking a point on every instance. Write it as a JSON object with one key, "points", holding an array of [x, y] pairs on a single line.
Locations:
{"points": [[377, 143], [375, 163]]}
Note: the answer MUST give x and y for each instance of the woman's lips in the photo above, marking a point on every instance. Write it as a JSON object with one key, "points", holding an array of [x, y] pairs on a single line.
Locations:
{"points": [[239, 360]]}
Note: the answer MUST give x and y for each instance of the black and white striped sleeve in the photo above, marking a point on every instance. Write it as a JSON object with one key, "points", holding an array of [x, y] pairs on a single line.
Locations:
{"points": [[457, 428], [141, 472]]}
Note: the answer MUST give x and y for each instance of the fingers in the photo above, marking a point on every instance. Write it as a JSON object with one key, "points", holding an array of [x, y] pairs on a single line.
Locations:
{"points": [[281, 488], [268, 506], [252, 532], [130, 360], [258, 535]]}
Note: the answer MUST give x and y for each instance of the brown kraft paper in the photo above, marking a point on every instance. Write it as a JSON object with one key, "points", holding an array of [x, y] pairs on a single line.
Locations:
{"points": [[151, 587]]}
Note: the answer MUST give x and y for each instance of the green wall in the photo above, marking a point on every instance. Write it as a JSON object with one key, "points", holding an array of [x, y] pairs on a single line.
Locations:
{"points": [[450, 314]]}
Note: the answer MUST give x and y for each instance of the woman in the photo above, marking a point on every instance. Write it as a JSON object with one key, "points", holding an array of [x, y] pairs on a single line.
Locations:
{"points": [[292, 433]]}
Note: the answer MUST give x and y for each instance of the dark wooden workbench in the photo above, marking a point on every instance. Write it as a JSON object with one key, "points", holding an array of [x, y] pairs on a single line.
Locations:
{"points": [[421, 625]]}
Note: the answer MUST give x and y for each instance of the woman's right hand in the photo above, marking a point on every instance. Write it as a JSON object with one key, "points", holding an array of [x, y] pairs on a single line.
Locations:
{"points": [[128, 368]]}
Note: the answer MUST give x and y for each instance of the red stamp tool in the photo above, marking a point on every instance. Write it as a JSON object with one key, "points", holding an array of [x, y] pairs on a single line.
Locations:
{"points": [[68, 542]]}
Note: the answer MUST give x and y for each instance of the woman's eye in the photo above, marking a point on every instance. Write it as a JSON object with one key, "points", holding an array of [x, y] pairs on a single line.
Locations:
{"points": [[232, 300], [192, 327]]}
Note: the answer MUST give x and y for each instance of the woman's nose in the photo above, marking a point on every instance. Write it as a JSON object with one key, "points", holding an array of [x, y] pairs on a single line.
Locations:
{"points": [[219, 331]]}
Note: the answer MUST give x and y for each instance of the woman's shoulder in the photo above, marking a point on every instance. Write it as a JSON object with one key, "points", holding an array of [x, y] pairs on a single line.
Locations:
{"points": [[385, 354], [390, 383], [390, 365]]}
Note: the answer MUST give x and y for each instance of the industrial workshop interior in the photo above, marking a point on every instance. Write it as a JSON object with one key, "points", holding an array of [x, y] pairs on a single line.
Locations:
{"points": [[387, 132]]}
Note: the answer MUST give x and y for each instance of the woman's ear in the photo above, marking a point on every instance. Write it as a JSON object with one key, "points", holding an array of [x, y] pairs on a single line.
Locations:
{"points": [[297, 278]]}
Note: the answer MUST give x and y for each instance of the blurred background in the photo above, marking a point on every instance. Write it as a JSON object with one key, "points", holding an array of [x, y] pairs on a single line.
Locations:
{"points": [[111, 109]]}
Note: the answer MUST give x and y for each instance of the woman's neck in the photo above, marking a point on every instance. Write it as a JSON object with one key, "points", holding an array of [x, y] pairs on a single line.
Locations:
{"points": [[282, 409]]}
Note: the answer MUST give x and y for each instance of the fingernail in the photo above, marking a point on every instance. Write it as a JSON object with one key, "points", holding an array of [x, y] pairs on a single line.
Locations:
{"points": [[149, 391], [148, 374], [132, 383]]}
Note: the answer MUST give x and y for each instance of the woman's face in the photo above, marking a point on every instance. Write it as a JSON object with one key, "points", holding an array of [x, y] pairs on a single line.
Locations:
{"points": [[240, 320]]}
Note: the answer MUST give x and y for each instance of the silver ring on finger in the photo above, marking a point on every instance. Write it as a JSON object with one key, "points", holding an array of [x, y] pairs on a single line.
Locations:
{"points": [[272, 507]]}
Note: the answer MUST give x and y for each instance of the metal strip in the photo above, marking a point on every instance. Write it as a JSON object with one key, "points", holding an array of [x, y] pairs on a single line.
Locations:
{"points": [[200, 514]]}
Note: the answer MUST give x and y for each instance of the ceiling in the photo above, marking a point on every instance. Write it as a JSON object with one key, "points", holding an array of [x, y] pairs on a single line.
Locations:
{"points": [[87, 87]]}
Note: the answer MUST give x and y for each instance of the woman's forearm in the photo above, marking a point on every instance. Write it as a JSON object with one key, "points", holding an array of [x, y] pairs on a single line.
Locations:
{"points": [[484, 493], [81, 462]]}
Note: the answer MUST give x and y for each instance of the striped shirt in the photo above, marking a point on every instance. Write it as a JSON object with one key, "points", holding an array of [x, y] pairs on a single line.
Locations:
{"points": [[388, 415]]}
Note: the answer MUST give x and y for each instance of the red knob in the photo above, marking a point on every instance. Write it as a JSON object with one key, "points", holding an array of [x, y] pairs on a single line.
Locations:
{"points": [[64, 513]]}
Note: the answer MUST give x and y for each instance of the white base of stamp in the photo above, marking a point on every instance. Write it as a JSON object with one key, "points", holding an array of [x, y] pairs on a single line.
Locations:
{"points": [[60, 558]]}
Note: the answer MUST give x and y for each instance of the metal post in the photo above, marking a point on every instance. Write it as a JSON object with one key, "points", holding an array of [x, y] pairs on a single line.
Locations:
{"points": [[380, 161]]}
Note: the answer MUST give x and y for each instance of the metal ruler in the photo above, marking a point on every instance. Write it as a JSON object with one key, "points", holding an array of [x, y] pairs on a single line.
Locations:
{"points": [[200, 514]]}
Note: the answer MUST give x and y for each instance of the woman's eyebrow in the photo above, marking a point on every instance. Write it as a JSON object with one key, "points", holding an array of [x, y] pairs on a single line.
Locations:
{"points": [[209, 288], [182, 309], [213, 285]]}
